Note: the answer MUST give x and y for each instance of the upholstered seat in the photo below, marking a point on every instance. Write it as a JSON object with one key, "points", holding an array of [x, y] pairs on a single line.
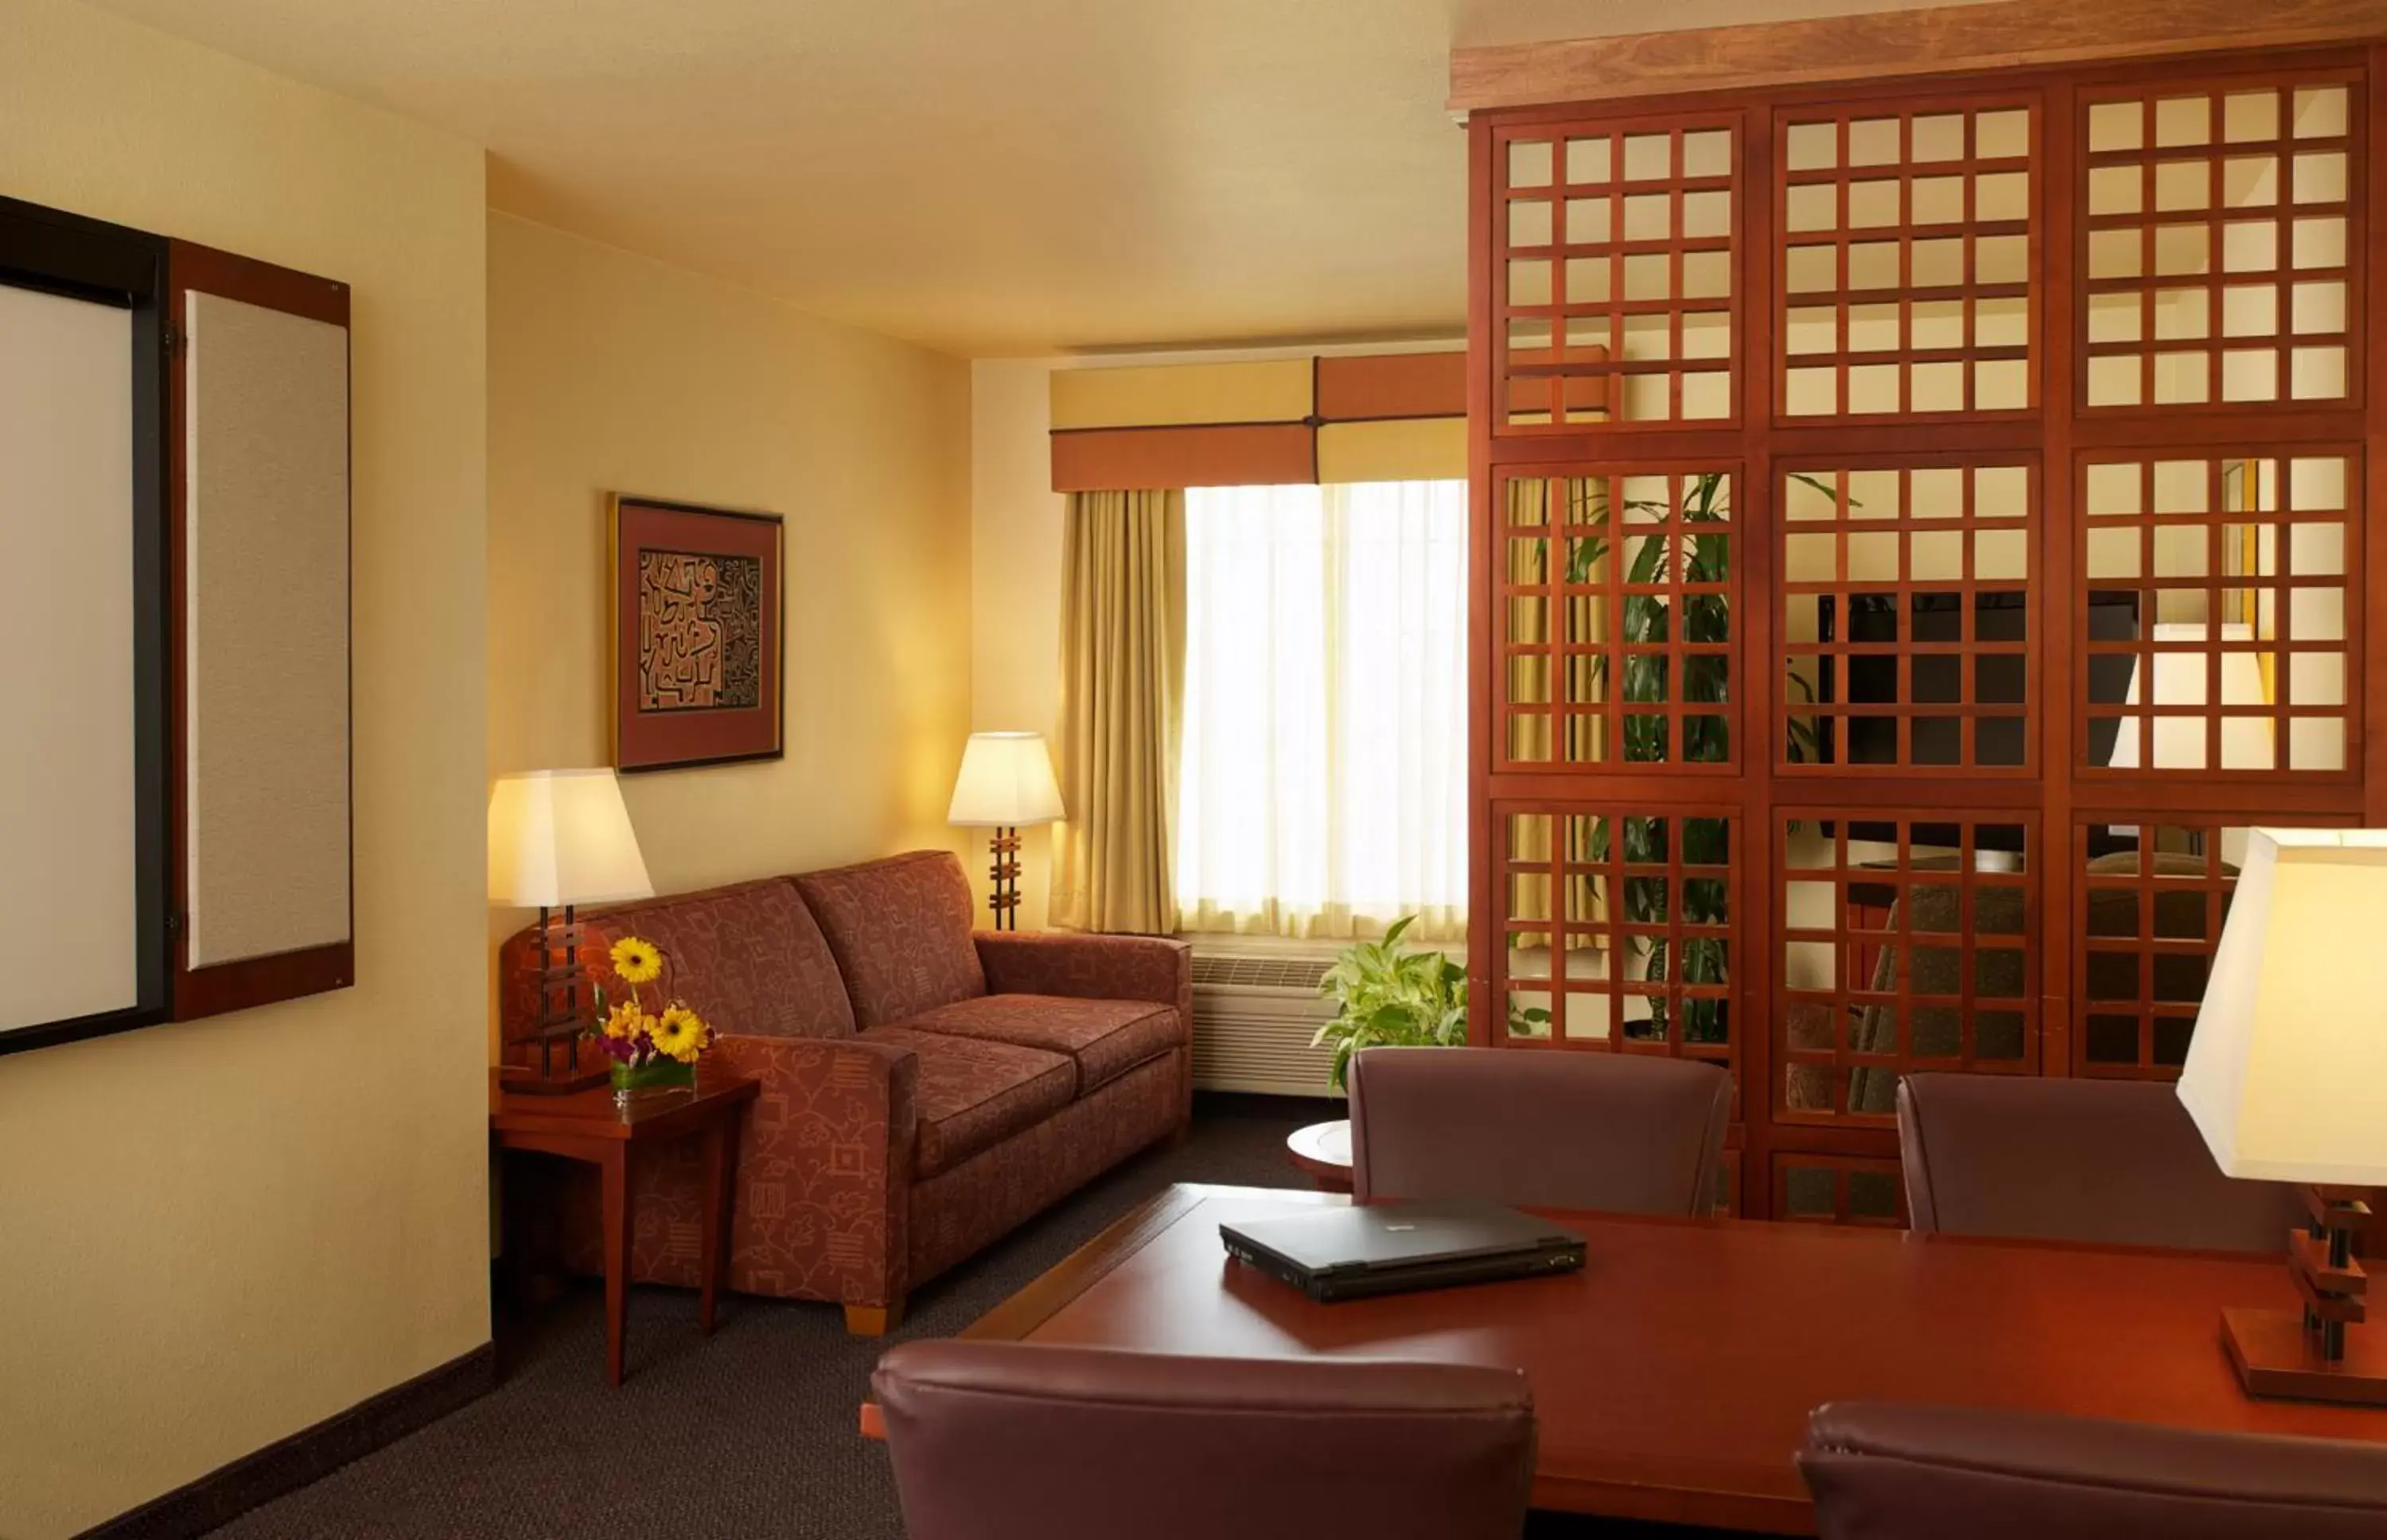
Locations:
{"points": [[1104, 1039], [972, 1095]]}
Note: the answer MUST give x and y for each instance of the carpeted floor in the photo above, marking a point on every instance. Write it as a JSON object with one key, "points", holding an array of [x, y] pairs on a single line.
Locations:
{"points": [[749, 1434]]}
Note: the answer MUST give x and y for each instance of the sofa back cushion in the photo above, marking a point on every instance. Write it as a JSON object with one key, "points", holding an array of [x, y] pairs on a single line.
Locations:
{"points": [[900, 930], [748, 958]]}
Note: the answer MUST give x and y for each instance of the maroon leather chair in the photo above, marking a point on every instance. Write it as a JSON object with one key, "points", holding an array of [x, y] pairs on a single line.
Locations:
{"points": [[2115, 1161], [1888, 1472], [1009, 1441], [1621, 1132]]}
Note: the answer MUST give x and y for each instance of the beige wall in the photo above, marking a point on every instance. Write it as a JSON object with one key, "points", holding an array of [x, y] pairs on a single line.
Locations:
{"points": [[213, 1235], [1016, 526], [612, 373]]}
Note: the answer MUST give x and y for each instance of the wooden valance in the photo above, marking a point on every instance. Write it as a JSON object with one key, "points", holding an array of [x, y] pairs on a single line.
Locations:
{"points": [[1385, 417]]}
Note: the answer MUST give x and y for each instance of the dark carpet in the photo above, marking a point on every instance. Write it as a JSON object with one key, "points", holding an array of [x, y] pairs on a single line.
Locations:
{"points": [[749, 1434], [752, 1433]]}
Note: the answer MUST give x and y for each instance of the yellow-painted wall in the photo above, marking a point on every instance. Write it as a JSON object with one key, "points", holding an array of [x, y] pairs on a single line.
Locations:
{"points": [[612, 373], [213, 1235]]}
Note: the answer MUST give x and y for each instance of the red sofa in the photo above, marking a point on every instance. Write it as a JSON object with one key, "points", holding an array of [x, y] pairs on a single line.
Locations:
{"points": [[925, 1089]]}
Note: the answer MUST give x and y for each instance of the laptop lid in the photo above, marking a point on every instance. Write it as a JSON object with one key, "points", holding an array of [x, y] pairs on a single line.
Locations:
{"points": [[1399, 1234]]}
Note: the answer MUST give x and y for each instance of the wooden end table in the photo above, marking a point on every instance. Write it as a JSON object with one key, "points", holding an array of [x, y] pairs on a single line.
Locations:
{"points": [[1324, 1151], [590, 1126]]}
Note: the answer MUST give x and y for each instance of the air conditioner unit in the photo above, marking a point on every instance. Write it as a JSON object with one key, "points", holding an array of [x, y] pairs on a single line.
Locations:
{"points": [[1255, 1007]]}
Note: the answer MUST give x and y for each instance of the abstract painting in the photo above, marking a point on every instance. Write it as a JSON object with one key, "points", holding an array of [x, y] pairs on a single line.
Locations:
{"points": [[696, 609]]}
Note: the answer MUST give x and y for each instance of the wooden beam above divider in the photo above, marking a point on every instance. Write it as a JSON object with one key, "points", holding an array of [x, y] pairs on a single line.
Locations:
{"points": [[1941, 39]]}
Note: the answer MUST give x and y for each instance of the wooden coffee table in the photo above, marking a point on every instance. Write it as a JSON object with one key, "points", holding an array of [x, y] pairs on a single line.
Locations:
{"points": [[1324, 1151], [590, 1126]]}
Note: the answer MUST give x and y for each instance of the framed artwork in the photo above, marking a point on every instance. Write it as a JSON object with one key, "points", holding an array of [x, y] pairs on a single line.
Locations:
{"points": [[696, 635]]}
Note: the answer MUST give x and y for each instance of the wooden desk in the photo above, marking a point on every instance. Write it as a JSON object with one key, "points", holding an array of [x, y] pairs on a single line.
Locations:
{"points": [[1673, 1375], [588, 1125]]}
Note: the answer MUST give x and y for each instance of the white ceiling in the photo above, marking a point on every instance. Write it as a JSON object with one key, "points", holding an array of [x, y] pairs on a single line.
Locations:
{"points": [[988, 177]]}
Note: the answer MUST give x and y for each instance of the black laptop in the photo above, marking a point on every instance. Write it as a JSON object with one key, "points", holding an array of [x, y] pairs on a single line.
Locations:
{"points": [[1351, 1253]]}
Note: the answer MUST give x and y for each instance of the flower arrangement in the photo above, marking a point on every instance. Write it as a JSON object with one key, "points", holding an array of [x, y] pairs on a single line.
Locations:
{"points": [[651, 1044]]}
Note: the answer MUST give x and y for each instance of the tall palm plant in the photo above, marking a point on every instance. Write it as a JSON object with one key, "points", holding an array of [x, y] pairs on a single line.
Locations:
{"points": [[1706, 620]]}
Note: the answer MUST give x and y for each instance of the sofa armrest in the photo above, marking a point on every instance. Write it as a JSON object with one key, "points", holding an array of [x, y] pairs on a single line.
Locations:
{"points": [[1090, 967], [823, 1167]]}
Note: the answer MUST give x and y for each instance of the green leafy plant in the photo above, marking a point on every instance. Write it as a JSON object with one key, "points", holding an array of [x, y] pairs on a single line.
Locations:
{"points": [[1388, 995], [1649, 619]]}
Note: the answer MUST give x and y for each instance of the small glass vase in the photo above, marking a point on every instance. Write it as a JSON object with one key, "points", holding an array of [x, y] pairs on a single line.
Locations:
{"points": [[654, 1075]]}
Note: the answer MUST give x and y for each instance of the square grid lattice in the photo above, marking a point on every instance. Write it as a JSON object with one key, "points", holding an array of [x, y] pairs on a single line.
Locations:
{"points": [[2218, 611], [1848, 1190], [2219, 240], [1638, 911], [1906, 279], [1908, 616], [2152, 898], [1615, 273], [1908, 941], [1617, 594]]}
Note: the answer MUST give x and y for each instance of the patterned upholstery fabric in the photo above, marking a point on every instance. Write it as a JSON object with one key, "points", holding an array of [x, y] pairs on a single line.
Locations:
{"points": [[823, 1168], [749, 958], [856, 1139], [959, 1212], [900, 930], [1091, 967], [1104, 1037], [973, 1094]]}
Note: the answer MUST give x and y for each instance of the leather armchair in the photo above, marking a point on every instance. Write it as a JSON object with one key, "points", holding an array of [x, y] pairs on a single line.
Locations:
{"points": [[1012, 1441], [1892, 1472], [2114, 1161], [1624, 1133]]}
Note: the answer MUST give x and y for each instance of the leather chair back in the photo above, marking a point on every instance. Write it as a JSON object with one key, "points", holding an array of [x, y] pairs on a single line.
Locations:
{"points": [[1011, 1441], [1625, 1133], [2114, 1161], [1891, 1472]]}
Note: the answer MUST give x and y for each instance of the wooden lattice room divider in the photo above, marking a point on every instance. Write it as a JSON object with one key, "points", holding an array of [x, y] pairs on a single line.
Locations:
{"points": [[1919, 528]]}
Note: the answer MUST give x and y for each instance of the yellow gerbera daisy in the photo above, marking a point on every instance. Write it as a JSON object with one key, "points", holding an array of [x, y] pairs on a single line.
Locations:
{"points": [[681, 1033], [625, 1020], [636, 960]]}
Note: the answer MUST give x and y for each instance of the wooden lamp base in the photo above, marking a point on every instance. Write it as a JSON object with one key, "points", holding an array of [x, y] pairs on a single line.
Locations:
{"points": [[2320, 1353], [2276, 1357]]}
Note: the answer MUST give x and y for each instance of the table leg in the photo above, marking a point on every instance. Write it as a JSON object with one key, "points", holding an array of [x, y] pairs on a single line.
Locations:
{"points": [[619, 1227], [720, 1194]]}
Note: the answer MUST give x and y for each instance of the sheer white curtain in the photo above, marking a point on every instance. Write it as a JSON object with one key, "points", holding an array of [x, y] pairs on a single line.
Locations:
{"points": [[1323, 776]]}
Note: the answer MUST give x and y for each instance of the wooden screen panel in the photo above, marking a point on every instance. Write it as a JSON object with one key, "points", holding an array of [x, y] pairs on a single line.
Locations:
{"points": [[2152, 892], [1908, 941], [2218, 611], [1908, 619], [1848, 1190], [1616, 298], [1617, 589], [1621, 929], [2221, 236], [1906, 233]]}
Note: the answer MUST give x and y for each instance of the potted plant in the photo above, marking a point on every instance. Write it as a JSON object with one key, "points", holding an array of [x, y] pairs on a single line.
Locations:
{"points": [[1388, 995], [650, 1045]]}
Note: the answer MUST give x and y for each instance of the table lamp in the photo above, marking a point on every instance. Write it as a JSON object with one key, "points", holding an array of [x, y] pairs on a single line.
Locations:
{"points": [[2287, 1080], [2179, 681], [1006, 781], [560, 839]]}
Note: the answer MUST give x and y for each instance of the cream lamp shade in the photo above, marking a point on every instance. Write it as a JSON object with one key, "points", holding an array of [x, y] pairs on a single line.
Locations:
{"points": [[2286, 1072], [1006, 780], [560, 836], [2179, 681]]}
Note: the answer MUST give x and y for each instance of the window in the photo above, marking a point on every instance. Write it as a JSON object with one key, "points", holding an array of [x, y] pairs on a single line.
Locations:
{"points": [[1323, 776]]}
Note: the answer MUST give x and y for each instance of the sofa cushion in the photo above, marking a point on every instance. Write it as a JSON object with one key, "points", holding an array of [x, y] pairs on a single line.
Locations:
{"points": [[1104, 1037], [972, 1093], [900, 930], [749, 958]]}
